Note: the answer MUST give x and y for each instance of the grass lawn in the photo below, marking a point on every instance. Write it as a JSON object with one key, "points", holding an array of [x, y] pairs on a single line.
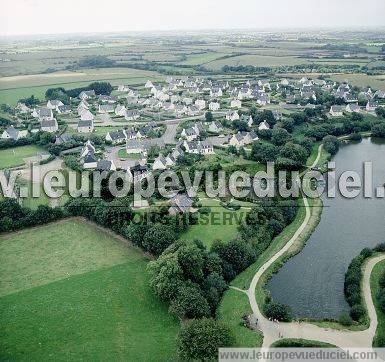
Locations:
{"points": [[123, 154], [13, 157], [374, 279], [220, 223], [234, 306], [75, 292]]}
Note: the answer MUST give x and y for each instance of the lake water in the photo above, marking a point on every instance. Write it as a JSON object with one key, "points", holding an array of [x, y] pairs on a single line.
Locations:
{"points": [[312, 282]]}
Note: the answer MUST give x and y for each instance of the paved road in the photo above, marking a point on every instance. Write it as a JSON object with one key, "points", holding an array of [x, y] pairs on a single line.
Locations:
{"points": [[341, 338]]}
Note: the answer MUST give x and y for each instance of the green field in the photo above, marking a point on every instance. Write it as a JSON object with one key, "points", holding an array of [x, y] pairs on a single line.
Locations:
{"points": [[374, 279], [219, 224], [70, 291], [15, 156], [16, 87]]}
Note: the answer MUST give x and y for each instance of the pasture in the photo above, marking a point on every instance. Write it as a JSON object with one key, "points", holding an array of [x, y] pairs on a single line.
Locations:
{"points": [[13, 157], [16, 87], [75, 292]]}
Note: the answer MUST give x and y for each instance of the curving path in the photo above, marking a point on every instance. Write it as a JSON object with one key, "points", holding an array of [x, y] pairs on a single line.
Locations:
{"points": [[341, 338]]}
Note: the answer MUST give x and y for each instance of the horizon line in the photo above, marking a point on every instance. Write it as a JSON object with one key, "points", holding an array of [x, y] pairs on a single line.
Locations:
{"points": [[284, 29]]}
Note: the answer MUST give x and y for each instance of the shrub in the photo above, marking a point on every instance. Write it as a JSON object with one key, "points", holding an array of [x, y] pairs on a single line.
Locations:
{"points": [[205, 210], [278, 311], [345, 320], [357, 312], [200, 339]]}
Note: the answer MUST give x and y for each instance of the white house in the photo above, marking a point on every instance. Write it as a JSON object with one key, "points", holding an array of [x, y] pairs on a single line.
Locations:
{"points": [[353, 107], [86, 115], [90, 161], [215, 127], [22, 108], [49, 125], [85, 126], [120, 110], [42, 113], [336, 111], [263, 126], [236, 103], [132, 114], [189, 133], [232, 116], [216, 92], [54, 103], [13, 133], [149, 85], [106, 108], [84, 95], [200, 104], [214, 106], [116, 137], [137, 173], [160, 163], [371, 106], [242, 139], [135, 146], [263, 99], [88, 148]]}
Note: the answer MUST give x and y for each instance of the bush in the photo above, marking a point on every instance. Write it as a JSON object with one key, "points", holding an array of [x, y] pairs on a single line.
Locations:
{"points": [[345, 320], [357, 312], [278, 311], [190, 303], [382, 280], [158, 238], [205, 210], [381, 300], [200, 339]]}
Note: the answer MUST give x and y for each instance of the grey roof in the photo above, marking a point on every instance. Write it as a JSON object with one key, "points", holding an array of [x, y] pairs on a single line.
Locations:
{"points": [[64, 108], [117, 135], [89, 158], [138, 169], [135, 144], [181, 203], [64, 138], [44, 112], [104, 165], [49, 123], [12, 132], [85, 123]]}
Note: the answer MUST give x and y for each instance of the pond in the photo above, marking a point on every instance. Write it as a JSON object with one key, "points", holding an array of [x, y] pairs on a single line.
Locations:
{"points": [[312, 282]]}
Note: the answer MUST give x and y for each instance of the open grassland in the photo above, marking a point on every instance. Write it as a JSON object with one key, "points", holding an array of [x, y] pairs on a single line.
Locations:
{"points": [[374, 284], [75, 292], [13, 157], [16, 87]]}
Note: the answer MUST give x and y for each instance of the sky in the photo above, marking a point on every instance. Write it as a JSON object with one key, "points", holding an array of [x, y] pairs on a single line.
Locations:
{"points": [[30, 17]]}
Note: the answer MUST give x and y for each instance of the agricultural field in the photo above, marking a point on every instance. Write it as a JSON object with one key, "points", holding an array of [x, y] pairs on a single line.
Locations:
{"points": [[15, 87], [16, 156], [255, 60], [74, 291]]}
